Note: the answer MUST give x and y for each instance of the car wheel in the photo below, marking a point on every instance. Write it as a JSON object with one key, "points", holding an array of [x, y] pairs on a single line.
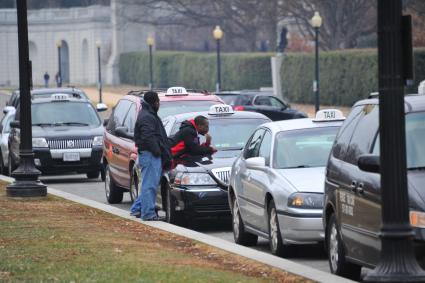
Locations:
{"points": [[277, 247], [241, 237], [336, 253], [134, 185], [11, 165], [113, 193], [3, 169], [171, 215], [93, 175]]}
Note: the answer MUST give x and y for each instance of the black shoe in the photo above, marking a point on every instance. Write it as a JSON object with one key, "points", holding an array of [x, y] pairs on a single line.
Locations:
{"points": [[136, 214], [155, 218]]}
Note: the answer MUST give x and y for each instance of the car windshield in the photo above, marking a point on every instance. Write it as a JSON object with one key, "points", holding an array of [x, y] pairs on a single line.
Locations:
{"points": [[168, 108], [64, 113], [303, 148], [229, 99]]}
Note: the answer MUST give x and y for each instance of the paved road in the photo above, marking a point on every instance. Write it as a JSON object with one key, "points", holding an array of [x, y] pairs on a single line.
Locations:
{"points": [[94, 190]]}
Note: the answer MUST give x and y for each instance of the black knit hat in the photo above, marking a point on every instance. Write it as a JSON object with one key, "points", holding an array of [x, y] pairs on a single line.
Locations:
{"points": [[151, 97]]}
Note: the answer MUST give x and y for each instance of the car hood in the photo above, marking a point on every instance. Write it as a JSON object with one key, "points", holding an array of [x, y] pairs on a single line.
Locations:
{"points": [[416, 181], [66, 131], [305, 179], [219, 159]]}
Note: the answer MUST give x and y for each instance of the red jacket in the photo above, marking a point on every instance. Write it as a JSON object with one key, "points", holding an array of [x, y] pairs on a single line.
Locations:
{"points": [[186, 141]]}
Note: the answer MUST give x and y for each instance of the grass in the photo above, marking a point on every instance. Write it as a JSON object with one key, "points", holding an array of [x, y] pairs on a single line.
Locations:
{"points": [[54, 240]]}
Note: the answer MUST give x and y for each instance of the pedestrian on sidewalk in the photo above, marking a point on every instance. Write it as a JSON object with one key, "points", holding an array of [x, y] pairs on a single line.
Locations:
{"points": [[154, 153], [46, 78]]}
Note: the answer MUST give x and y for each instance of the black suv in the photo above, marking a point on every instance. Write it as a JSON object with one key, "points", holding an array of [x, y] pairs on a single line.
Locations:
{"points": [[352, 210], [67, 135], [263, 102]]}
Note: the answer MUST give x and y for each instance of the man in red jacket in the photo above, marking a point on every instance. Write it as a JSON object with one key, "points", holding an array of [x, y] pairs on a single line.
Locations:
{"points": [[186, 140]]}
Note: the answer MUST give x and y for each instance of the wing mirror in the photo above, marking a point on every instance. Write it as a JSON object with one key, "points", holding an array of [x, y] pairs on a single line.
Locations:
{"points": [[8, 109], [256, 162], [123, 133], [369, 163], [15, 124], [100, 107]]}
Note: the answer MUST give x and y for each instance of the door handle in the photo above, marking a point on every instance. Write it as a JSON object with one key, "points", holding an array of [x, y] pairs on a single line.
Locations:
{"points": [[360, 189], [353, 186], [115, 150]]}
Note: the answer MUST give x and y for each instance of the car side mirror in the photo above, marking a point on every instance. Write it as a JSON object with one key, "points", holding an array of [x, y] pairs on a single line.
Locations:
{"points": [[369, 163], [123, 133], [255, 162], [8, 109], [15, 124], [100, 107], [105, 122]]}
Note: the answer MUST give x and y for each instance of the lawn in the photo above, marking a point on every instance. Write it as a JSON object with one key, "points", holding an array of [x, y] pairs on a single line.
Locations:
{"points": [[54, 240]]}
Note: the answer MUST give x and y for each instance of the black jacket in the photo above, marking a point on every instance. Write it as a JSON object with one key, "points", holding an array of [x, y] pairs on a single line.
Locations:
{"points": [[186, 141], [150, 135]]}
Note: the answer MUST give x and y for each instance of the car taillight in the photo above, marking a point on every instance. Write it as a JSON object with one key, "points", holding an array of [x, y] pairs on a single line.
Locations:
{"points": [[239, 108]]}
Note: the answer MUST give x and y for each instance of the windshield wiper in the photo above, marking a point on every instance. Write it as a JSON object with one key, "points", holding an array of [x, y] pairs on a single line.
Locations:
{"points": [[299, 166], [231, 148], [42, 124], [417, 168], [74, 124]]}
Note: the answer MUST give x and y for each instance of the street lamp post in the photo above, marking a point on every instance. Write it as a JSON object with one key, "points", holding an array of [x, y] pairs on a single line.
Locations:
{"points": [[150, 41], [26, 182], [99, 80], [218, 34], [59, 78], [316, 22], [397, 262]]}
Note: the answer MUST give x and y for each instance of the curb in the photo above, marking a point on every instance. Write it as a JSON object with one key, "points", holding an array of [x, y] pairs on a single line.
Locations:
{"points": [[274, 261]]}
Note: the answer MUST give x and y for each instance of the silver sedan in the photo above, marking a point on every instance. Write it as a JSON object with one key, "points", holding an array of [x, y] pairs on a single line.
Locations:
{"points": [[277, 183], [9, 115]]}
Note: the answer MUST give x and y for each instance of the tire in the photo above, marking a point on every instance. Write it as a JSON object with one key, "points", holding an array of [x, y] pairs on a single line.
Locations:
{"points": [[277, 247], [3, 169], [113, 193], [93, 175], [134, 185], [11, 165], [336, 253], [171, 215], [241, 237]]}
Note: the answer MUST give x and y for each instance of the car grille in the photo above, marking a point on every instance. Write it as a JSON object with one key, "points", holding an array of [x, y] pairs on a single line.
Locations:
{"points": [[70, 143], [223, 174]]}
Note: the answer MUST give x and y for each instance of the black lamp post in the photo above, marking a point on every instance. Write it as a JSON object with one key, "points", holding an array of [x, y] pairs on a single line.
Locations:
{"points": [[218, 34], [26, 182], [99, 71], [316, 22], [59, 80], [150, 41], [397, 262]]}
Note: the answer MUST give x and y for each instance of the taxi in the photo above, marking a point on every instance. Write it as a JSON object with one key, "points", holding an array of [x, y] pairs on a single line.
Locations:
{"points": [[119, 150], [197, 186], [277, 183]]}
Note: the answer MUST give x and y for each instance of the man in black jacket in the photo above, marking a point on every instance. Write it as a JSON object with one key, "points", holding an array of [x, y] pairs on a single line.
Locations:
{"points": [[186, 140], [154, 154]]}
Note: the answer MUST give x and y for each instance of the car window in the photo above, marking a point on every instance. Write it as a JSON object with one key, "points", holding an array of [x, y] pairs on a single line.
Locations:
{"points": [[118, 114], [265, 147], [262, 101], [253, 147], [364, 134], [64, 113], [245, 99], [171, 108], [130, 119], [303, 148], [229, 99], [346, 132], [415, 135], [276, 102]]}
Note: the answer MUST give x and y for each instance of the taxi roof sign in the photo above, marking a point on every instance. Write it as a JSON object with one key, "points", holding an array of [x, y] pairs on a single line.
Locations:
{"points": [[220, 109], [176, 90], [60, 97], [327, 115]]}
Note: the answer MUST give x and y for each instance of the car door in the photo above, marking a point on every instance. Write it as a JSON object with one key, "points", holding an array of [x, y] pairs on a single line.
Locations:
{"points": [[126, 146], [360, 203], [248, 205]]}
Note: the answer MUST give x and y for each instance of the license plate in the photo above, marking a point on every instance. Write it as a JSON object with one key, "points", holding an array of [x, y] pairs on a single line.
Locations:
{"points": [[71, 156]]}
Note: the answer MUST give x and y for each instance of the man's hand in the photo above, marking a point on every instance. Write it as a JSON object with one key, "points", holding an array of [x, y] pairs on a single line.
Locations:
{"points": [[207, 139]]}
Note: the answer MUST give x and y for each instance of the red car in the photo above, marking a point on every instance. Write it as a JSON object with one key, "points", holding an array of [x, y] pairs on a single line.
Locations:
{"points": [[119, 150]]}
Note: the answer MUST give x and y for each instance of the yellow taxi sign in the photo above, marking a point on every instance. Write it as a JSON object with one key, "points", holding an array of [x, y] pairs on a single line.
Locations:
{"points": [[220, 109], [176, 90], [329, 115], [60, 97]]}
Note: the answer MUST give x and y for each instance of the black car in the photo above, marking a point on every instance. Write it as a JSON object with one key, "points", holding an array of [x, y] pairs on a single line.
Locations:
{"points": [[262, 102], [197, 186], [352, 204], [67, 135]]}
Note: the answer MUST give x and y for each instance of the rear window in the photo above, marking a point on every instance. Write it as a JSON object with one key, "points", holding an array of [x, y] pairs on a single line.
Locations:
{"points": [[171, 108]]}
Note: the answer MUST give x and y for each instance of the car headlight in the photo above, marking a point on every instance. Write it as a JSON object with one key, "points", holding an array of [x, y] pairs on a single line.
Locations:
{"points": [[39, 142], [306, 200], [417, 219], [98, 141], [194, 179]]}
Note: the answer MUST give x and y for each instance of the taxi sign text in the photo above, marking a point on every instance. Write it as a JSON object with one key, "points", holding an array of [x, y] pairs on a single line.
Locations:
{"points": [[60, 97], [176, 91], [220, 109], [329, 115]]}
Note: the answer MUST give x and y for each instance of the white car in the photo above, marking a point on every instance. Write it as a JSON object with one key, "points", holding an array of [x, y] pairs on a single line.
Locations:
{"points": [[277, 183], [9, 115]]}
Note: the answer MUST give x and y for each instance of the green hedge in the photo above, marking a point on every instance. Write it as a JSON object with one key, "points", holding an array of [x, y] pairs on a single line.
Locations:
{"points": [[345, 76]]}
